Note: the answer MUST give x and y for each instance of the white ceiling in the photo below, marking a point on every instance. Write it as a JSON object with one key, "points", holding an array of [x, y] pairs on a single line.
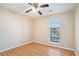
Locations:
{"points": [[52, 9]]}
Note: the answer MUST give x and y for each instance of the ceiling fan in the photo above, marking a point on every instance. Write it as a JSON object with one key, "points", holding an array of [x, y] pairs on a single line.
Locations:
{"points": [[36, 7]]}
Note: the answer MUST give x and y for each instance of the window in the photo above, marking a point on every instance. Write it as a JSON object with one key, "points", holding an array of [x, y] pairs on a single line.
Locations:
{"points": [[54, 31]]}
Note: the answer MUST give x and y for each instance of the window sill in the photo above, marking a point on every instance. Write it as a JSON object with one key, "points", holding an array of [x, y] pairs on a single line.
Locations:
{"points": [[57, 43]]}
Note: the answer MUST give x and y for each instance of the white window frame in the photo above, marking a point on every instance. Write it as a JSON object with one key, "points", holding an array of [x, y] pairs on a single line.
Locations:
{"points": [[49, 34]]}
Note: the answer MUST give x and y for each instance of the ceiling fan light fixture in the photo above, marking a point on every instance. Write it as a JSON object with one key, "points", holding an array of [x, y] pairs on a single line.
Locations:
{"points": [[37, 9], [33, 9]]}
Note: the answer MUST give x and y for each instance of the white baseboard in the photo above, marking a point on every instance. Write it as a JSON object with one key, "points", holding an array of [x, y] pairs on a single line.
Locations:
{"points": [[15, 46], [55, 46], [75, 52]]}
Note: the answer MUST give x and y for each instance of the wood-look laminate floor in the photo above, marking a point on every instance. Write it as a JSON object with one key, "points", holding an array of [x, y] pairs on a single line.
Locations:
{"points": [[36, 49]]}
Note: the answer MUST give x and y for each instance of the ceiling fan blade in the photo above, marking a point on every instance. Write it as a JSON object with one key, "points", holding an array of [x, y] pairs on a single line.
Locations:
{"points": [[39, 12], [45, 5], [30, 3], [28, 10]]}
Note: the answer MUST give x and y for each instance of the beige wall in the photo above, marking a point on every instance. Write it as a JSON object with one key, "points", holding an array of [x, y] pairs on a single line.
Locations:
{"points": [[15, 29], [41, 29], [77, 29]]}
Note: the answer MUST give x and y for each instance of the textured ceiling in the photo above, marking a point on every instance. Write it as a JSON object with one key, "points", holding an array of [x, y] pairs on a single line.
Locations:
{"points": [[52, 9]]}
